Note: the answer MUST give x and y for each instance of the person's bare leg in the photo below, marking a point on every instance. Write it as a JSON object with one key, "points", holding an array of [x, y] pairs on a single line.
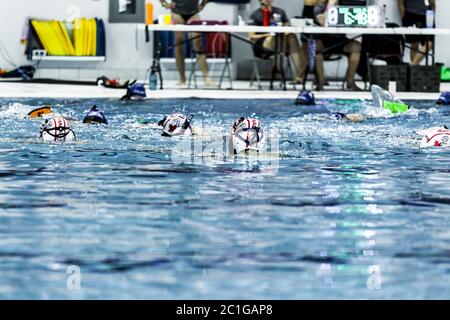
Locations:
{"points": [[413, 51], [269, 43], [197, 43], [419, 55], [320, 72], [353, 48], [293, 49], [179, 49], [303, 60]]}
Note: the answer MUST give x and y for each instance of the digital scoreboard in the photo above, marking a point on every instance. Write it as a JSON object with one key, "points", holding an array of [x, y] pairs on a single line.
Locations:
{"points": [[348, 16]]}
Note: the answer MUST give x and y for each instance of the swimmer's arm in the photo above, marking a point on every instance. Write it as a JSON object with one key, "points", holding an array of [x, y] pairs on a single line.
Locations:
{"points": [[356, 117], [198, 132]]}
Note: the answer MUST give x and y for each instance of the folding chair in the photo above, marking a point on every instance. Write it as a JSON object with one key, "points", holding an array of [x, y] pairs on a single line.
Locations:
{"points": [[261, 55], [330, 55], [257, 76], [388, 48]]}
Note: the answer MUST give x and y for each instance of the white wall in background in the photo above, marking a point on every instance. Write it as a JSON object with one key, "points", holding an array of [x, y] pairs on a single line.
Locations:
{"points": [[128, 55], [443, 42]]}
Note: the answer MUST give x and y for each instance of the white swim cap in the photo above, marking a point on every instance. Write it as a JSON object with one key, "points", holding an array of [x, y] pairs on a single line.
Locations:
{"points": [[176, 125], [246, 135], [435, 137], [57, 129]]}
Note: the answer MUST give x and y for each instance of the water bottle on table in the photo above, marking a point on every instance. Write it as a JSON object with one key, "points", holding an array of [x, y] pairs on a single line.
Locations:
{"points": [[153, 79], [430, 19]]}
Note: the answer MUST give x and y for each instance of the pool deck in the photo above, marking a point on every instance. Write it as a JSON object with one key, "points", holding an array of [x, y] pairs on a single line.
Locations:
{"points": [[241, 91]]}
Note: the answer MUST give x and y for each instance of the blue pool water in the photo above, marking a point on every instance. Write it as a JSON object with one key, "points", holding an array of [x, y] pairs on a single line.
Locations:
{"points": [[347, 210]]}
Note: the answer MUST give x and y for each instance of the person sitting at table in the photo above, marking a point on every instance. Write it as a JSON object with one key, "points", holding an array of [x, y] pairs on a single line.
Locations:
{"points": [[184, 12], [413, 12], [264, 43], [337, 44]]}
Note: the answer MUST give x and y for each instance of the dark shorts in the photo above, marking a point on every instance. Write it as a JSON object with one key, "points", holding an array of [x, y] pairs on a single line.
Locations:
{"points": [[259, 50], [308, 12], [418, 20], [333, 44], [185, 16]]}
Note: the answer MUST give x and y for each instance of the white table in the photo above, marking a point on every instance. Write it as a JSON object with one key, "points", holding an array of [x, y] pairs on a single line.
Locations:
{"points": [[290, 29], [302, 30]]}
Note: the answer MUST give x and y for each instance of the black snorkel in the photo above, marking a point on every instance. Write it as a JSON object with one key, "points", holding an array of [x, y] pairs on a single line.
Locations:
{"points": [[187, 123]]}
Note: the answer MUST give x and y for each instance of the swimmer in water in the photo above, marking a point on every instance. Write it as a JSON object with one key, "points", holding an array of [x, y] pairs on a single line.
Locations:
{"points": [[384, 99], [56, 129], [435, 137], [176, 124], [444, 99], [352, 117], [305, 98], [135, 92], [381, 99], [94, 116], [247, 137]]}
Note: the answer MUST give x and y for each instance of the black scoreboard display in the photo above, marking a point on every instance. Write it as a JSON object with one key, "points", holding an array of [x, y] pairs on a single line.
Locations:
{"points": [[355, 16]]}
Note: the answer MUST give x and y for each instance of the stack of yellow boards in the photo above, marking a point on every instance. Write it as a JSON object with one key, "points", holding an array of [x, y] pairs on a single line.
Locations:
{"points": [[56, 41]]}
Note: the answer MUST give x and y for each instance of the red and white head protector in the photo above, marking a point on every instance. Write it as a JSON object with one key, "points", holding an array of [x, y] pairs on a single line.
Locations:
{"points": [[247, 134], [57, 129], [176, 125], [435, 137]]}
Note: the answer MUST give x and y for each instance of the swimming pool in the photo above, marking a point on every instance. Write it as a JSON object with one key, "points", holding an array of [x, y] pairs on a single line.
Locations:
{"points": [[348, 210]]}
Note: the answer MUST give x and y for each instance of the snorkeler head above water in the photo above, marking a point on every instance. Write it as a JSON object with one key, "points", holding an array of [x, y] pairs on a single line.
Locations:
{"points": [[444, 99], [94, 116], [176, 124], [56, 129], [246, 135], [135, 92], [435, 137], [305, 98]]}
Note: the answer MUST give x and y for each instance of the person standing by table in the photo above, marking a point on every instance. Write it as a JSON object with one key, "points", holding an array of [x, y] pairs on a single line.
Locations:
{"points": [[183, 12], [337, 44], [413, 12], [308, 8], [267, 41]]}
